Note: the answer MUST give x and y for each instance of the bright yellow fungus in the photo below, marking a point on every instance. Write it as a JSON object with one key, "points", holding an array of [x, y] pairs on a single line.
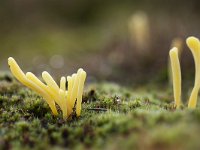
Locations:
{"points": [[176, 74], [51, 92], [178, 43], [194, 45]]}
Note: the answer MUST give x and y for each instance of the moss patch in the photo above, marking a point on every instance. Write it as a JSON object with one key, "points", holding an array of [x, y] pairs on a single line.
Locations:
{"points": [[113, 117]]}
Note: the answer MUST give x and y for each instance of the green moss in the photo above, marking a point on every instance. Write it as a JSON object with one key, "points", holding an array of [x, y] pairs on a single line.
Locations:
{"points": [[113, 117]]}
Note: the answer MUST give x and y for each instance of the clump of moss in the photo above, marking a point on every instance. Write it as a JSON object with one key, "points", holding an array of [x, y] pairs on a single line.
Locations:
{"points": [[112, 117]]}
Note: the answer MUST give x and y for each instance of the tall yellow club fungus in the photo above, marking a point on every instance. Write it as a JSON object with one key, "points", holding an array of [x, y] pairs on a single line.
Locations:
{"points": [[51, 92], [176, 74], [80, 91], [178, 43], [194, 45]]}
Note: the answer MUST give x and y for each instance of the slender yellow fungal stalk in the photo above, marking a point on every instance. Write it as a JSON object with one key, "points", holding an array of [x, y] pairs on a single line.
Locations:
{"points": [[178, 43], [75, 81], [50, 81], [64, 103], [70, 86], [19, 74], [194, 45], [63, 83], [80, 91], [51, 92], [176, 73], [53, 87], [34, 79]]}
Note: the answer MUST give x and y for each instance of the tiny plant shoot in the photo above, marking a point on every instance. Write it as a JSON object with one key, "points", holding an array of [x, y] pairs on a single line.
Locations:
{"points": [[51, 92], [176, 74]]}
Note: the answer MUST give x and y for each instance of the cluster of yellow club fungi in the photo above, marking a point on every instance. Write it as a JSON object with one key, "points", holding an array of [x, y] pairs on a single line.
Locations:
{"points": [[70, 98], [51, 92], [194, 45]]}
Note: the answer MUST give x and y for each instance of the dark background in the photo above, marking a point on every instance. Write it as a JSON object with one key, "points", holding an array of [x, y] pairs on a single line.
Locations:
{"points": [[61, 36]]}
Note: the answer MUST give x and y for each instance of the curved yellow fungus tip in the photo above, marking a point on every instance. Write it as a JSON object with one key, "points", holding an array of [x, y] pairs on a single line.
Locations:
{"points": [[194, 45], [51, 92], [176, 75], [178, 43]]}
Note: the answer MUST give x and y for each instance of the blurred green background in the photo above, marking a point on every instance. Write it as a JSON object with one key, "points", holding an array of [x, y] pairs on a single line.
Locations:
{"points": [[62, 36]]}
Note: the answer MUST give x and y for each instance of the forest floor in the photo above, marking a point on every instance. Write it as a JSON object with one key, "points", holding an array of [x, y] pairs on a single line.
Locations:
{"points": [[113, 117]]}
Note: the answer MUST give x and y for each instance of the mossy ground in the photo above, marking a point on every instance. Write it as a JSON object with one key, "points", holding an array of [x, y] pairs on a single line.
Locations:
{"points": [[113, 117]]}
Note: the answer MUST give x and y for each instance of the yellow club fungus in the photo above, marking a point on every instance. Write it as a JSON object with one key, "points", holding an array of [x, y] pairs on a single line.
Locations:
{"points": [[176, 74], [178, 43], [194, 45], [51, 92]]}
